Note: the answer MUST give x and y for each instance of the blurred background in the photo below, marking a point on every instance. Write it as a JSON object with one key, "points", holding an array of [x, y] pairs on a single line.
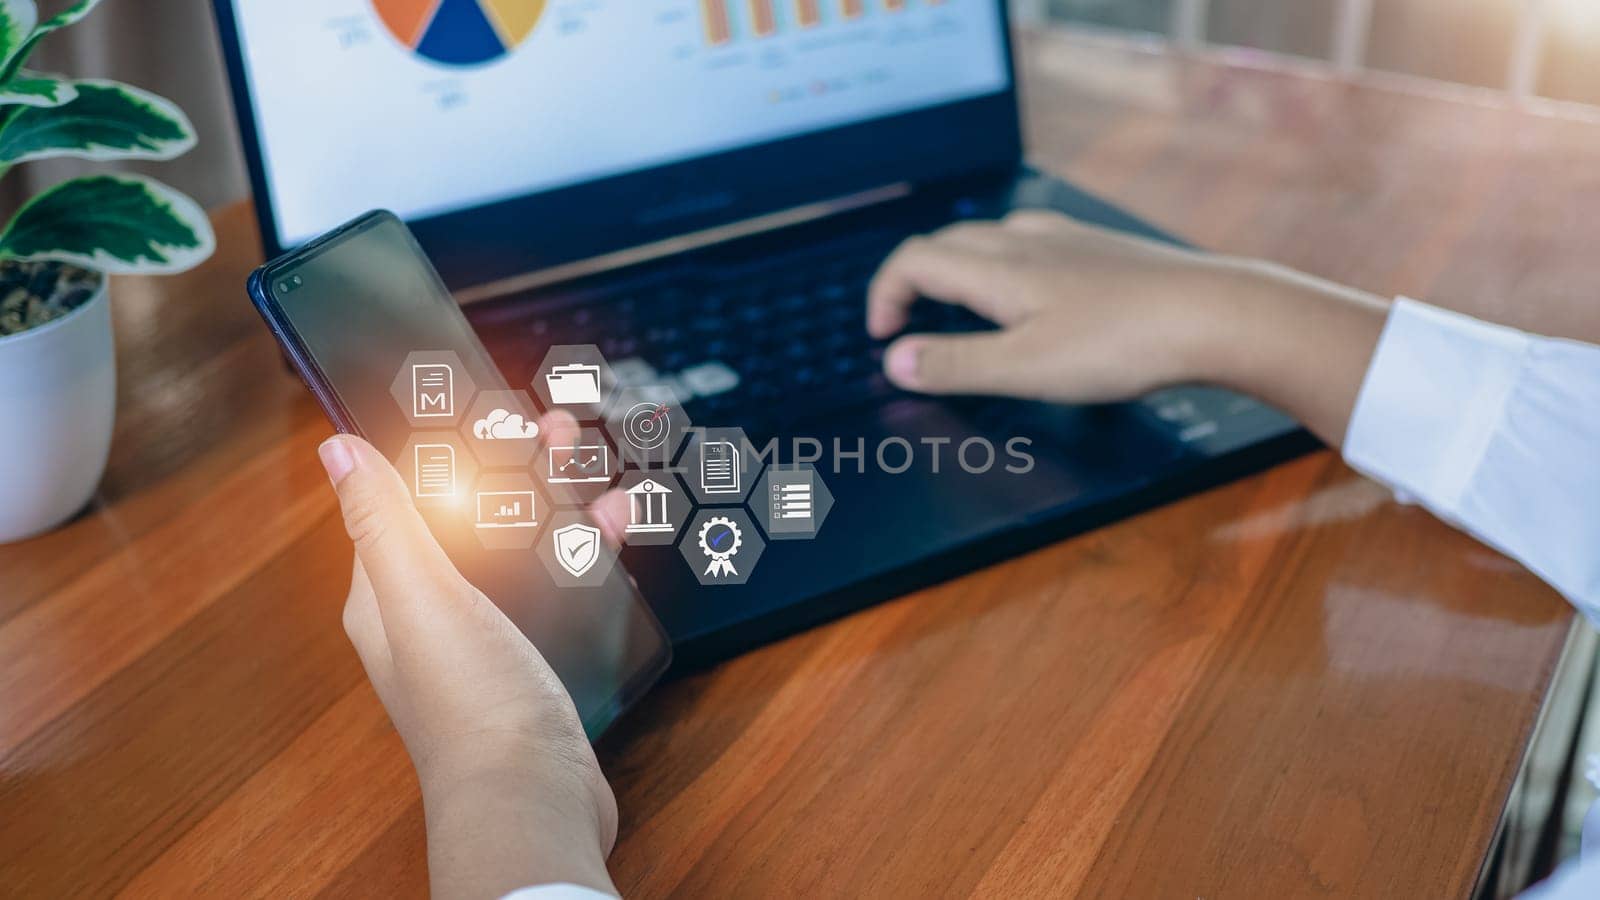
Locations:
{"points": [[1518, 49], [1538, 47]]}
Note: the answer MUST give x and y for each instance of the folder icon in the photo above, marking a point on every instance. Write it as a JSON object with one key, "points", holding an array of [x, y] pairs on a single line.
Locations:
{"points": [[576, 384]]}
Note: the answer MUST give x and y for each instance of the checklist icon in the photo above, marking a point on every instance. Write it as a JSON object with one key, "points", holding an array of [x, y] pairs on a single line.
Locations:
{"points": [[433, 394], [793, 507]]}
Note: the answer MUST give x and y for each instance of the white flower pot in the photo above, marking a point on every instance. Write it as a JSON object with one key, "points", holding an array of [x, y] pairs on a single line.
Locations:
{"points": [[58, 396]]}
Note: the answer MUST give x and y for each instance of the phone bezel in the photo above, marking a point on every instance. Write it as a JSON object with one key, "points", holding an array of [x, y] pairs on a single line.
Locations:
{"points": [[266, 302]]}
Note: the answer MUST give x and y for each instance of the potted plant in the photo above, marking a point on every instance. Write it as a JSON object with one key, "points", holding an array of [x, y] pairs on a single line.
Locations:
{"points": [[57, 373]]}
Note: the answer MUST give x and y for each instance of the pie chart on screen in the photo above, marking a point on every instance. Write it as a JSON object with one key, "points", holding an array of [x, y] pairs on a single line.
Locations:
{"points": [[460, 32]]}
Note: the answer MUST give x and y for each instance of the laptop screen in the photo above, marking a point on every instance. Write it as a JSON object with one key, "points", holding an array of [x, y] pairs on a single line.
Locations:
{"points": [[432, 107]]}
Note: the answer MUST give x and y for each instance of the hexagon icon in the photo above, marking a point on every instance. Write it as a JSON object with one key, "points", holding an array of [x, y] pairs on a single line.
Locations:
{"points": [[508, 512], [433, 389], [720, 466], [791, 502], [575, 552], [576, 470], [721, 546], [658, 505], [649, 425], [576, 378], [438, 469], [501, 428]]}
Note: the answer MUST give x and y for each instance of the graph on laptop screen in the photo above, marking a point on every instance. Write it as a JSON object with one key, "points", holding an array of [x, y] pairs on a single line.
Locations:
{"points": [[460, 32], [428, 107]]}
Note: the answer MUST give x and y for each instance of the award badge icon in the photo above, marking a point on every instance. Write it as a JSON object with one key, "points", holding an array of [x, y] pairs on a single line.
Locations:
{"points": [[720, 539]]}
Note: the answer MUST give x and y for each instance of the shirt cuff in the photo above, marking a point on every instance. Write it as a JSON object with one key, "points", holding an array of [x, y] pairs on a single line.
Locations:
{"points": [[1433, 398]]}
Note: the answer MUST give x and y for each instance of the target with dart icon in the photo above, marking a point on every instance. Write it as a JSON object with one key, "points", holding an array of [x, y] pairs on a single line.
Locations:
{"points": [[647, 425]]}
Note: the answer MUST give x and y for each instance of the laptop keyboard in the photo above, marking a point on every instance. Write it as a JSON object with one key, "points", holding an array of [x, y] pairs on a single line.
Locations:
{"points": [[777, 343]]}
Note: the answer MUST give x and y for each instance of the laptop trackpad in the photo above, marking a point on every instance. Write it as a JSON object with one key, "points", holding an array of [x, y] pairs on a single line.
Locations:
{"points": [[1045, 456]]}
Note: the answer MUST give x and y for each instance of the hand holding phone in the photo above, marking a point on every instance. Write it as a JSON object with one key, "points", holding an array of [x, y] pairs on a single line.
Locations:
{"points": [[380, 342], [497, 743]]}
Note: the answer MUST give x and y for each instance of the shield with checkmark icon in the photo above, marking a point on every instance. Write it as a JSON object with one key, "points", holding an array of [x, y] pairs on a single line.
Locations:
{"points": [[577, 548]]}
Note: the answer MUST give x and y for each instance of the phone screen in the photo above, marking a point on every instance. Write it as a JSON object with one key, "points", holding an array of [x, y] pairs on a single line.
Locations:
{"points": [[377, 336]]}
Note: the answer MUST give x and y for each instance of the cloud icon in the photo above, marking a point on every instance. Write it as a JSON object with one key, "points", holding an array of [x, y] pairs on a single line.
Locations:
{"points": [[504, 425]]}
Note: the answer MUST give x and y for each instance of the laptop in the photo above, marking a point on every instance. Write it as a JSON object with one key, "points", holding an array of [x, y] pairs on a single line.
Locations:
{"points": [[702, 190]]}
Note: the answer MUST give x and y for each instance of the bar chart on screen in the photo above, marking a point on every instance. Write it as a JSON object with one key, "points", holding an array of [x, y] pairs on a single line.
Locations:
{"points": [[726, 21]]}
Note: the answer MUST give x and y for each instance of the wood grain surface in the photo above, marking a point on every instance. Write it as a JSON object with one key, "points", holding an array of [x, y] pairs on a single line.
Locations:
{"points": [[1287, 687]]}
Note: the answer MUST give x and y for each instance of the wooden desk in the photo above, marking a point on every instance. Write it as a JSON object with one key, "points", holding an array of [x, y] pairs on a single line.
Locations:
{"points": [[1287, 687]]}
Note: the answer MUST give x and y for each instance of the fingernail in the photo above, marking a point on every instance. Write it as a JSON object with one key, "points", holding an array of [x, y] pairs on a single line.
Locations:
{"points": [[337, 458], [901, 363]]}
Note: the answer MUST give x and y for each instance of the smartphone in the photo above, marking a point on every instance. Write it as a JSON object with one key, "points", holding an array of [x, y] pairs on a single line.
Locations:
{"points": [[354, 311]]}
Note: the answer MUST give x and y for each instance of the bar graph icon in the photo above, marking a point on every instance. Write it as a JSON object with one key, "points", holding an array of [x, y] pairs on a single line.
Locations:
{"points": [[506, 509]]}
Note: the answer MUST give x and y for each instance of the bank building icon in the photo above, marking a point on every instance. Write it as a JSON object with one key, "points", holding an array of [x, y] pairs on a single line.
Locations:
{"points": [[647, 508]]}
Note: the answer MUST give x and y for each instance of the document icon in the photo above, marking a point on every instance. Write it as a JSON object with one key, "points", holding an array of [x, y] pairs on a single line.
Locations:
{"points": [[573, 385], [433, 391], [719, 468], [436, 470], [792, 503]]}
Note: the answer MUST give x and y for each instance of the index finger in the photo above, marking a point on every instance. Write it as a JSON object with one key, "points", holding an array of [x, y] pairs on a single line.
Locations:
{"points": [[939, 269]]}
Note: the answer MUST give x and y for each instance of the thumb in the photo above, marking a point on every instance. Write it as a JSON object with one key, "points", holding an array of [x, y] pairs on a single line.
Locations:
{"points": [[987, 363], [393, 544]]}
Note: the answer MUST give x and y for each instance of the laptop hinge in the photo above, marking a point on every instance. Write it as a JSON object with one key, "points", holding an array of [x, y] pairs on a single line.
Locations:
{"points": [[681, 244]]}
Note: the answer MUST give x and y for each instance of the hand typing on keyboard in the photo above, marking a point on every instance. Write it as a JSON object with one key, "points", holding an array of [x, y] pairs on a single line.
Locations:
{"points": [[1089, 316]]}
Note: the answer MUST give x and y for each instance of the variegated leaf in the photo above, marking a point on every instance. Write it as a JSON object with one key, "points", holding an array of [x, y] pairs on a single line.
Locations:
{"points": [[17, 55], [72, 15], [104, 121], [120, 224], [37, 89], [18, 19]]}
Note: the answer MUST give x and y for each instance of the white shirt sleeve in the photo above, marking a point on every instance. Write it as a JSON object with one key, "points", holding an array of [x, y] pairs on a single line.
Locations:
{"points": [[1494, 431], [558, 892], [1573, 881]]}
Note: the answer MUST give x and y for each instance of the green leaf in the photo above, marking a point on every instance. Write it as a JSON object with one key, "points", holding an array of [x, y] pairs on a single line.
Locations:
{"points": [[16, 55], [105, 121], [120, 224], [72, 15], [35, 89], [18, 18]]}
